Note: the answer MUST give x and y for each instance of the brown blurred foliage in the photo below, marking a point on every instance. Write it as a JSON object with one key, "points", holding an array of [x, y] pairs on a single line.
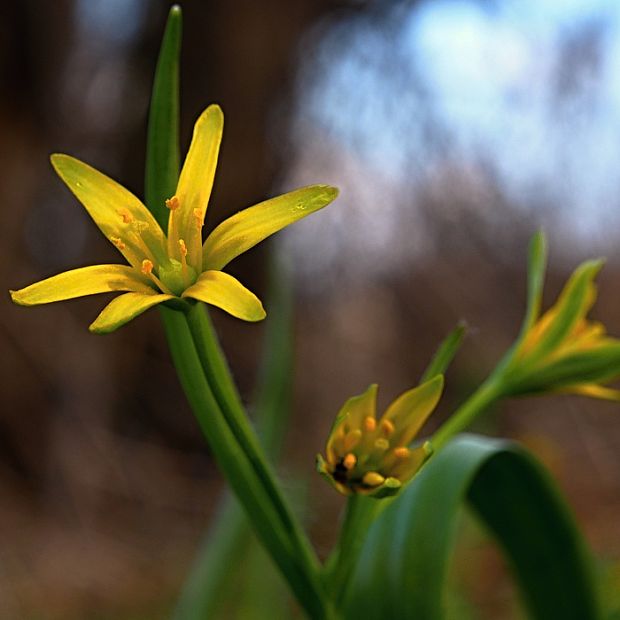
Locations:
{"points": [[105, 481]]}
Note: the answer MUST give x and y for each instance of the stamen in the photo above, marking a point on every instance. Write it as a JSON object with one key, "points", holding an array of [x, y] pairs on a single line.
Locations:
{"points": [[197, 213], [125, 216], [351, 439], [147, 270], [118, 243], [183, 251], [370, 424], [373, 479], [387, 426], [382, 444], [173, 203], [349, 461], [401, 452]]}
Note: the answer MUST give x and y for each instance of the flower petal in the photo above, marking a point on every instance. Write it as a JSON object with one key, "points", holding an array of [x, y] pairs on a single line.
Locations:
{"points": [[353, 412], [245, 229], [560, 320], [407, 468], [594, 391], [122, 218], [222, 290], [195, 184], [410, 410], [84, 281], [124, 308]]}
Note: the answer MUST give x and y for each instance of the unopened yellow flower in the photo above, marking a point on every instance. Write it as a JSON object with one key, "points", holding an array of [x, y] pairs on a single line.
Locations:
{"points": [[563, 350], [373, 456], [166, 268]]}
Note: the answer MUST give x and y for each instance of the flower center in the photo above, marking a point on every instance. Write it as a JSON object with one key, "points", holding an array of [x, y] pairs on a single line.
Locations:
{"points": [[362, 458], [168, 274]]}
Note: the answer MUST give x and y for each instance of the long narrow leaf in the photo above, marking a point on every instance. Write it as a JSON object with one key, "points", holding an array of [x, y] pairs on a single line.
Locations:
{"points": [[445, 353], [403, 566], [162, 153]]}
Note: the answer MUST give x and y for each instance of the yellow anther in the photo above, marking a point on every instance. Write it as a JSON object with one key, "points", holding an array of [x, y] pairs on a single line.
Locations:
{"points": [[147, 266], [118, 242], [382, 444], [125, 216], [349, 461], [173, 203], [387, 427], [373, 479], [401, 452], [369, 424], [182, 247], [351, 439], [197, 213]]}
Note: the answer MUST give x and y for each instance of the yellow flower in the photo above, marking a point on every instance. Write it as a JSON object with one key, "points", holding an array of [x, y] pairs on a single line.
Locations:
{"points": [[168, 268], [373, 456], [562, 350]]}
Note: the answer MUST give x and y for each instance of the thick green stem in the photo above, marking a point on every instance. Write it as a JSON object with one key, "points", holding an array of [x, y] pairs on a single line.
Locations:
{"points": [[220, 380], [234, 464], [359, 514], [462, 418]]}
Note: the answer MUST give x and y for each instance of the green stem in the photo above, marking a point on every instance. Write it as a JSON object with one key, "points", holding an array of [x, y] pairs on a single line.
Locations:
{"points": [[359, 514], [476, 404], [234, 464], [220, 380]]}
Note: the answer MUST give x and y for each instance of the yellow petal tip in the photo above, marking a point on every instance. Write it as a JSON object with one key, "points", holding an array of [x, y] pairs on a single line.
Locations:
{"points": [[15, 297]]}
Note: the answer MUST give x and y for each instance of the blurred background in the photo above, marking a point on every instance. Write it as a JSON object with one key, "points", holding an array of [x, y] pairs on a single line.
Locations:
{"points": [[454, 130]]}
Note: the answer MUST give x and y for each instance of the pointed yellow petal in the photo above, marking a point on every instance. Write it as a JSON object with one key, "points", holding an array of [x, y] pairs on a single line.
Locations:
{"points": [[557, 325], [124, 308], [410, 410], [122, 218], [594, 391], [405, 469], [195, 184], [352, 414], [250, 226], [84, 281], [222, 290]]}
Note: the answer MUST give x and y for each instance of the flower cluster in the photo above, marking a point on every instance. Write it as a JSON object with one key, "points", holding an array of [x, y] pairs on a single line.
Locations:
{"points": [[564, 351], [373, 456]]}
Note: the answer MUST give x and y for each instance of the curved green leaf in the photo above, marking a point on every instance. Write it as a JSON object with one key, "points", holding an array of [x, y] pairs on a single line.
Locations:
{"points": [[402, 569]]}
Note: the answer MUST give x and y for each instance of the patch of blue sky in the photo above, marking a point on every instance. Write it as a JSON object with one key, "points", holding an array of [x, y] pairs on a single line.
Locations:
{"points": [[113, 22]]}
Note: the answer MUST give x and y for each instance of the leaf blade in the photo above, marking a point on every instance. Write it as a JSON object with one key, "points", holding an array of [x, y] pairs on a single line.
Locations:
{"points": [[423, 520]]}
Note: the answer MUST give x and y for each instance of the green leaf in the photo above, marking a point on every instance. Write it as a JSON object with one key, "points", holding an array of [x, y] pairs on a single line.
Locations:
{"points": [[162, 160], [445, 353], [403, 566], [536, 268]]}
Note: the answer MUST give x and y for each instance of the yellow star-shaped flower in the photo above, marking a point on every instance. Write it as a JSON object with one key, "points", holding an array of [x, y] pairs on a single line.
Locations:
{"points": [[562, 350], [373, 456], [164, 268]]}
